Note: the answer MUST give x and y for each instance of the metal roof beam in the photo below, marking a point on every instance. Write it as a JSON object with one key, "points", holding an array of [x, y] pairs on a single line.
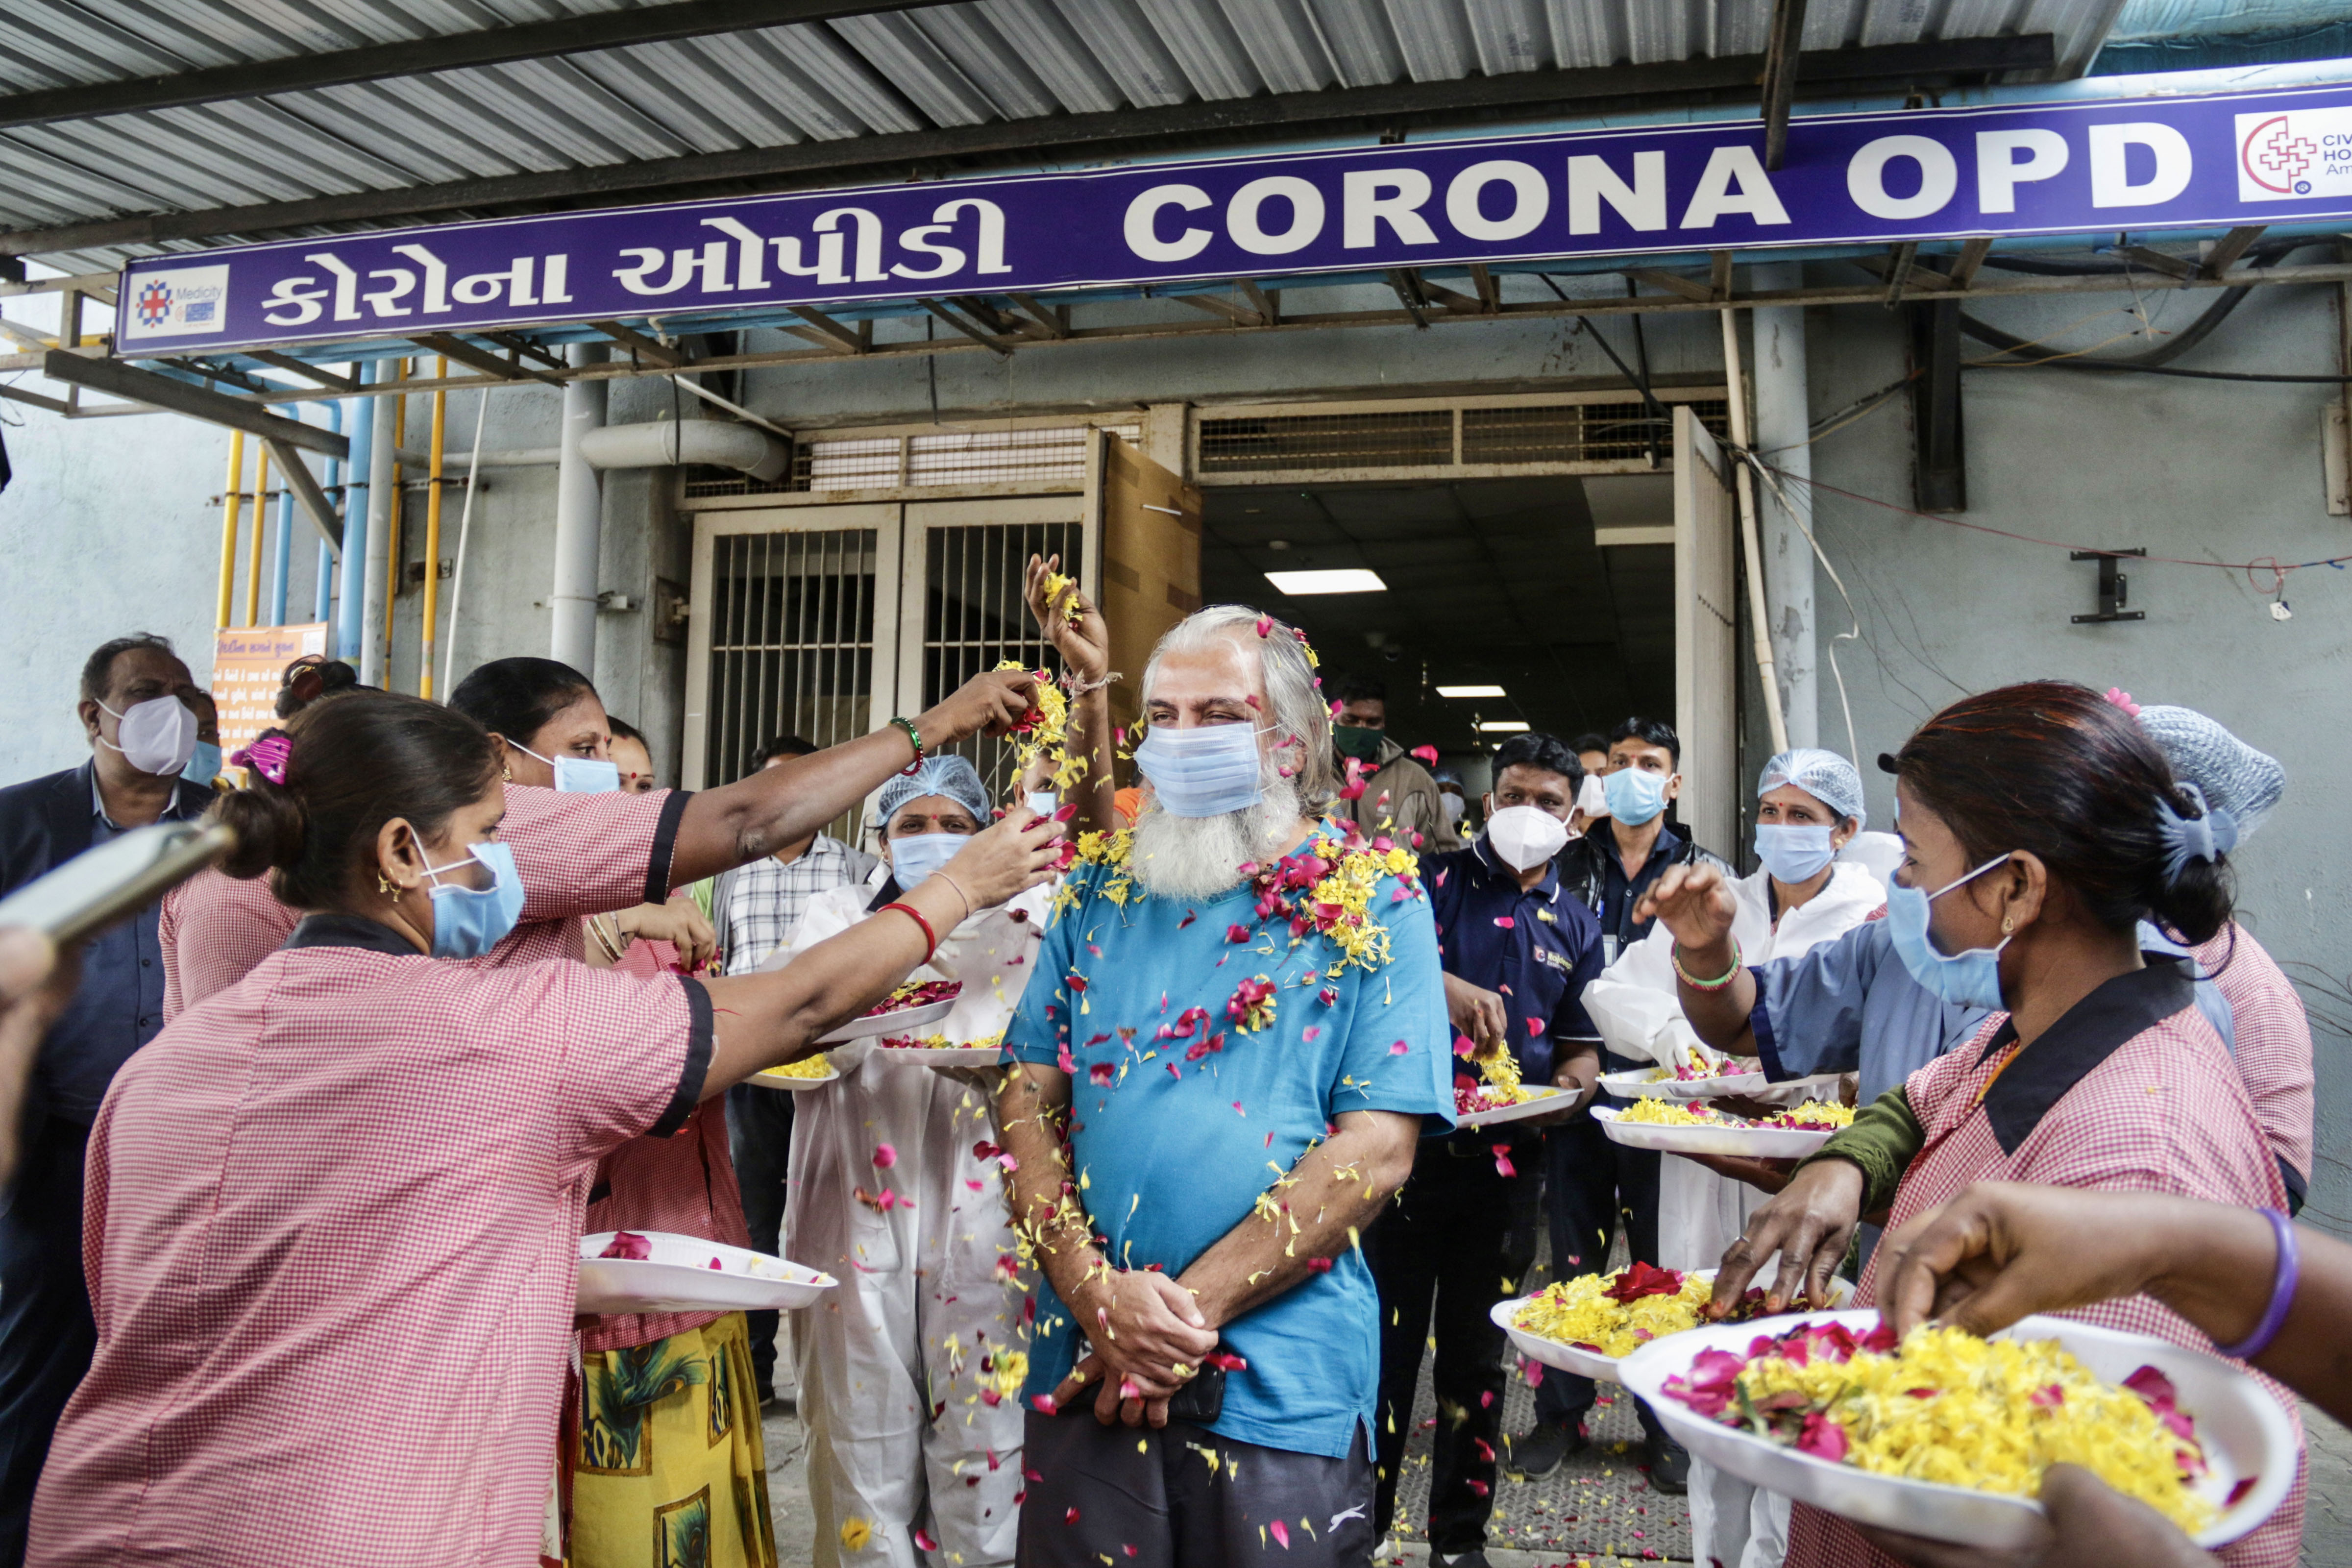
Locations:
{"points": [[1781, 63], [842, 336], [414, 56], [642, 346], [481, 359], [2230, 248], [1002, 350], [831, 162], [302, 368], [118, 379], [305, 486]]}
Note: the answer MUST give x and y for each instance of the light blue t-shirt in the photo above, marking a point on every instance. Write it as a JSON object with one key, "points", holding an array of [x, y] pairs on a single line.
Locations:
{"points": [[1172, 1142]]}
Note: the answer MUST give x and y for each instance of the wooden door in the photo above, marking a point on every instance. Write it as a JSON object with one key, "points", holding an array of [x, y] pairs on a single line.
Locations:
{"points": [[1149, 520], [1706, 656]]}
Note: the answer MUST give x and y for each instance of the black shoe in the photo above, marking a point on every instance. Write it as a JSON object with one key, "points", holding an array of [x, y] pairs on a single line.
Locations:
{"points": [[1669, 1464], [1543, 1449], [1474, 1557]]}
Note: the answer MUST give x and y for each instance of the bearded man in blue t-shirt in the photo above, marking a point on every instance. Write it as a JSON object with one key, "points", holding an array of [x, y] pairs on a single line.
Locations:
{"points": [[1235, 1035]]}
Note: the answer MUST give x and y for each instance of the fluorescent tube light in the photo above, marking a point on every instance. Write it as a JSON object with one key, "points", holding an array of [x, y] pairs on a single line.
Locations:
{"points": [[1504, 727], [1339, 580], [1470, 691]]}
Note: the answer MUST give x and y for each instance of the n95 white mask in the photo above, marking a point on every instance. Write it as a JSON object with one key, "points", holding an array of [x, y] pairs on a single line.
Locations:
{"points": [[1526, 837]]}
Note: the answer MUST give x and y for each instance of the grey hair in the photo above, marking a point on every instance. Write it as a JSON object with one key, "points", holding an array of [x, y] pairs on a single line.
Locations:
{"points": [[1292, 692]]}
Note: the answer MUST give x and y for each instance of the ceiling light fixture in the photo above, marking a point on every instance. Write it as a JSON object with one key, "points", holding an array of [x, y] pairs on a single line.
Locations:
{"points": [[1335, 580], [1504, 727], [1470, 691]]}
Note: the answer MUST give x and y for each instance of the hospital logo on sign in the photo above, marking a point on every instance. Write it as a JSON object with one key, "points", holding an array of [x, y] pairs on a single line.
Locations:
{"points": [[178, 301], [2282, 157]]}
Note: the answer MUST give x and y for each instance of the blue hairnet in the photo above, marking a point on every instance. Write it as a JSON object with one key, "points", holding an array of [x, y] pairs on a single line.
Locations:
{"points": [[1826, 776], [951, 775], [2234, 777]]}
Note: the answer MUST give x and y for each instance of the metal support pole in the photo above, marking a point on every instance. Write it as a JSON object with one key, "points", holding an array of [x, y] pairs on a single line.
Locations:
{"points": [[1736, 377], [353, 586], [392, 543], [432, 539], [579, 524], [323, 603], [281, 552], [232, 503], [382, 497], [253, 543], [1783, 426]]}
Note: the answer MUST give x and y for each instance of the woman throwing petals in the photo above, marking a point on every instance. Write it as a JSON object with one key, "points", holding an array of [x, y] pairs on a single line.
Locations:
{"points": [[356, 1134], [2040, 825]]}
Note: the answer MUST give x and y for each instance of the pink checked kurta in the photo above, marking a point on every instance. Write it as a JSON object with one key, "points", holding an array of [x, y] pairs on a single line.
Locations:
{"points": [[579, 854], [330, 1229], [2273, 1040], [2165, 1112]]}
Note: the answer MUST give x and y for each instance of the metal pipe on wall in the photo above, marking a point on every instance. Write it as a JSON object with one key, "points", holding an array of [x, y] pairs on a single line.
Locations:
{"points": [[433, 537], [281, 556], [1783, 430], [253, 547], [349, 613], [232, 503], [397, 513], [323, 603], [579, 523], [381, 498], [1736, 378]]}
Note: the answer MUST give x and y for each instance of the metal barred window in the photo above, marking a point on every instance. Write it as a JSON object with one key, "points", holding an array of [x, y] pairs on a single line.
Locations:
{"points": [[1056, 455], [791, 646], [974, 617], [1442, 438]]}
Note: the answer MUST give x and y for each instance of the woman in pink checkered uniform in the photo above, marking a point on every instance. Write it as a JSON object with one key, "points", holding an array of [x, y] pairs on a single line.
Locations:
{"points": [[2039, 824], [333, 1211]]}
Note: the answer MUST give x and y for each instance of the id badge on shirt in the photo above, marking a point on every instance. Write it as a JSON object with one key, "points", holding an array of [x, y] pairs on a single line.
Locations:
{"points": [[1609, 945]]}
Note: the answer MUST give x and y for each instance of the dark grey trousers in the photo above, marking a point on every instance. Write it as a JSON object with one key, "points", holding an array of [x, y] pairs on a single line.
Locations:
{"points": [[1154, 1499]]}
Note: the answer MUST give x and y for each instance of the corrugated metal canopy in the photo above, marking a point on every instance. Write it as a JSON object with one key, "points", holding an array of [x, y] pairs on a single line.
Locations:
{"points": [[891, 73]]}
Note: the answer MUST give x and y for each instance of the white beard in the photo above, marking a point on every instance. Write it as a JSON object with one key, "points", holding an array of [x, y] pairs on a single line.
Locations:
{"points": [[1201, 856]]}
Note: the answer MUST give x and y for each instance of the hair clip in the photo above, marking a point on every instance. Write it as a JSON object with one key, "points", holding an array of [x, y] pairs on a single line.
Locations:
{"points": [[266, 756], [2122, 700]]}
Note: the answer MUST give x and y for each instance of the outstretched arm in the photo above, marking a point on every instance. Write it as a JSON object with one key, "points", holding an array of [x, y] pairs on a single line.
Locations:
{"points": [[773, 1017], [735, 823], [1696, 904], [1083, 639]]}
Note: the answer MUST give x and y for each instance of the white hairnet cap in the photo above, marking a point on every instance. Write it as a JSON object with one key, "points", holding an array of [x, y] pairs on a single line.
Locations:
{"points": [[951, 775], [2234, 777], [1826, 776]]}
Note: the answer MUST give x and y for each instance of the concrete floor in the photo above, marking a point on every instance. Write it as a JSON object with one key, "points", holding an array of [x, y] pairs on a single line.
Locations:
{"points": [[1608, 1498]]}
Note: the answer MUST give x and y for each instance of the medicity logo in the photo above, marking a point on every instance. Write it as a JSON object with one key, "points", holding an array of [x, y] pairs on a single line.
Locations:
{"points": [[2304, 152], [177, 301]]}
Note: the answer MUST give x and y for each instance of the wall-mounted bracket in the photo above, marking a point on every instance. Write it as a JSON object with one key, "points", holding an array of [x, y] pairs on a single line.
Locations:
{"points": [[2114, 588]]}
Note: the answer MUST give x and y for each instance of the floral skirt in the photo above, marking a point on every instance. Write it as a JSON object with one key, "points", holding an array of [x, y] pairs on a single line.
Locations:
{"points": [[663, 1458]]}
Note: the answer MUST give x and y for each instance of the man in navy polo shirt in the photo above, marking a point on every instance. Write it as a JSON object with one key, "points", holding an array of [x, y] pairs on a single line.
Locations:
{"points": [[1518, 951]]}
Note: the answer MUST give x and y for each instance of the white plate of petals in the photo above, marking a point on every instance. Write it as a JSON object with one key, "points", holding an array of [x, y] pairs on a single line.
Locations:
{"points": [[661, 1271]]}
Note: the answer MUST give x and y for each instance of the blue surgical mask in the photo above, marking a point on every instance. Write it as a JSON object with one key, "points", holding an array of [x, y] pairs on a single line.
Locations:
{"points": [[917, 855], [579, 775], [469, 922], [1971, 979], [1635, 795], [205, 765], [1205, 771], [1043, 802], [1794, 853]]}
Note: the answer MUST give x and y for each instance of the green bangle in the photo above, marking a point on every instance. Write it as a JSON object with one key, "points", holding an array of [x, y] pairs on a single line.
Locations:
{"points": [[1695, 984], [916, 736]]}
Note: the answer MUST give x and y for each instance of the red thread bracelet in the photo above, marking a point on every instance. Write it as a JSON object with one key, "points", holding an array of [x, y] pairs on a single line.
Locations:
{"points": [[914, 915]]}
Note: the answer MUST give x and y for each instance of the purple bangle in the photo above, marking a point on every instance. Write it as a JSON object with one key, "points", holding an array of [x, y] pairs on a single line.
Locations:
{"points": [[2290, 1271]]}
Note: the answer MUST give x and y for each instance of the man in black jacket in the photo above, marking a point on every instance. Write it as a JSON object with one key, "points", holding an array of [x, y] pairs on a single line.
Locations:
{"points": [[1595, 1185], [138, 713]]}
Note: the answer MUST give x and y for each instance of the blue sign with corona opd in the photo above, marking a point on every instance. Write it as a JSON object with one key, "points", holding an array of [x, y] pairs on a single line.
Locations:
{"points": [[2014, 169]]}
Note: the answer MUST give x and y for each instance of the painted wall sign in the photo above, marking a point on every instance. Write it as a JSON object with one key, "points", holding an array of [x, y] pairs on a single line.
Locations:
{"points": [[2018, 169]]}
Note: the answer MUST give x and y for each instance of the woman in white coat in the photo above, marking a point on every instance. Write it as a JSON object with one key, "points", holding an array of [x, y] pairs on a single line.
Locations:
{"points": [[1809, 811], [910, 1372]]}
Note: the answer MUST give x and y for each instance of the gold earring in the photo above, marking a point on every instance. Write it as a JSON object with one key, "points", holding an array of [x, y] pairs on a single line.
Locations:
{"points": [[383, 884], [2007, 923]]}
